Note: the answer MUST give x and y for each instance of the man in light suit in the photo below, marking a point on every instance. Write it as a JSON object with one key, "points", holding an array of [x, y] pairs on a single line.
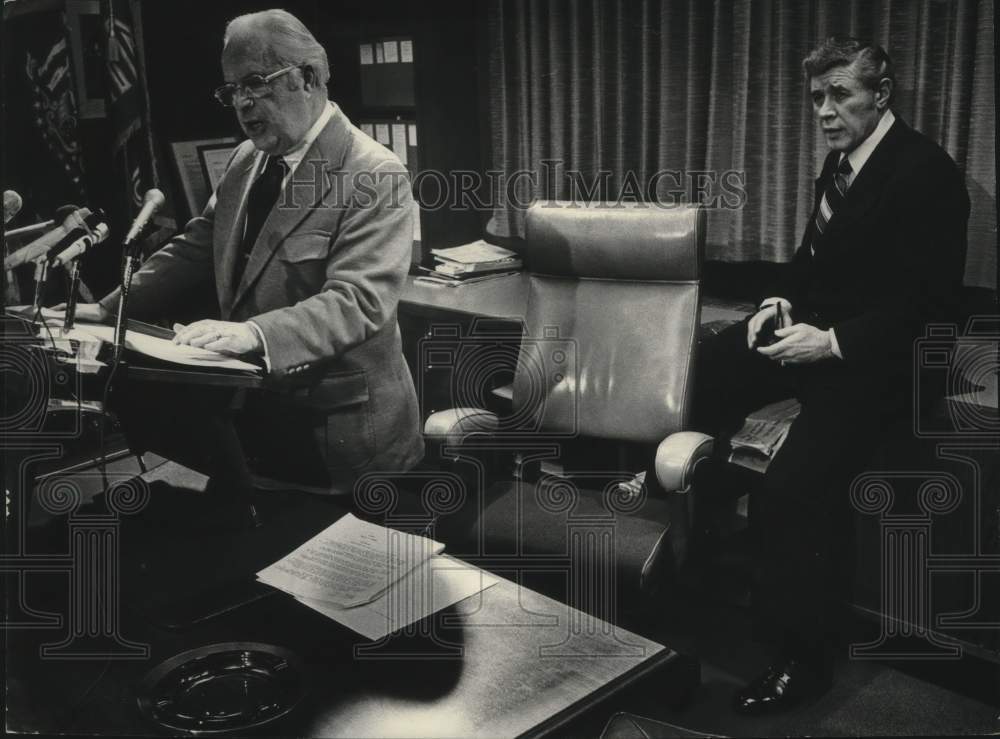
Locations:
{"points": [[882, 255], [306, 241]]}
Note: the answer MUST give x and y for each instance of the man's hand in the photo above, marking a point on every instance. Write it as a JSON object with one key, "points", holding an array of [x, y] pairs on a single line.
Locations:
{"points": [[86, 312], [219, 336], [764, 316], [799, 344]]}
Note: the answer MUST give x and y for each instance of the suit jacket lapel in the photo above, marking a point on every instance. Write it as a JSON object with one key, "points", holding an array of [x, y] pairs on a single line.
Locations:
{"points": [[869, 183], [230, 211], [306, 190]]}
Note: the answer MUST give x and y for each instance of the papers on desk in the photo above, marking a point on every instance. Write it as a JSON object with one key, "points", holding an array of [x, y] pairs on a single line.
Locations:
{"points": [[461, 265], [434, 279], [168, 351], [349, 563], [439, 582], [372, 579]]}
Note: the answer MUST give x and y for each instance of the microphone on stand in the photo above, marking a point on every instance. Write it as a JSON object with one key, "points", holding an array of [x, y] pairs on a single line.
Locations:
{"points": [[70, 254], [81, 245], [78, 227], [16, 237], [12, 204], [152, 201], [41, 246]]}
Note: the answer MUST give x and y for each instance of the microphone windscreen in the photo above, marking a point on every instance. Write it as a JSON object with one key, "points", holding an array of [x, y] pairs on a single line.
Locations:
{"points": [[155, 197], [12, 204]]}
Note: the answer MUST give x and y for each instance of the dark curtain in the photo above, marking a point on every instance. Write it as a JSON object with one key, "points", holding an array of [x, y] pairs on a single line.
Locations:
{"points": [[694, 100]]}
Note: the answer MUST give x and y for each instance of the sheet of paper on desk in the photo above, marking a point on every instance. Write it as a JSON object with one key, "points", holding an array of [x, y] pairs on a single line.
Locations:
{"points": [[153, 346], [349, 563], [439, 582]]}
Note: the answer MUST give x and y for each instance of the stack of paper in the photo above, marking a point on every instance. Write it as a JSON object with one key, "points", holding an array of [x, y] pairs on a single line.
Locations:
{"points": [[472, 262], [372, 579], [161, 348]]}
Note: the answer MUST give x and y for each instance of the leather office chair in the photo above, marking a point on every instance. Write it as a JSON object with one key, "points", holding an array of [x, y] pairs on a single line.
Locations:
{"points": [[612, 326]]}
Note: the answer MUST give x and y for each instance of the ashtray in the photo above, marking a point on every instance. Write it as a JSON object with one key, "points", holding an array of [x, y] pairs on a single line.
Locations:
{"points": [[222, 688]]}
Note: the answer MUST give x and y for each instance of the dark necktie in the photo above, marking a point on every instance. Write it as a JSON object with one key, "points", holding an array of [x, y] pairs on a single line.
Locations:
{"points": [[260, 202], [833, 195]]}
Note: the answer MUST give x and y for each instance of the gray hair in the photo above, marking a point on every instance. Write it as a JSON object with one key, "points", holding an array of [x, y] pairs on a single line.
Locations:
{"points": [[873, 62], [287, 40]]}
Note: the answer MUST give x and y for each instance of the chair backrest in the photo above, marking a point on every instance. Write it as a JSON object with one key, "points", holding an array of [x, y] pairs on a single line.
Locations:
{"points": [[612, 319]]}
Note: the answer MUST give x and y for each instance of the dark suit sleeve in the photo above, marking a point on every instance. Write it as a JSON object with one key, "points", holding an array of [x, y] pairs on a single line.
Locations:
{"points": [[929, 217], [365, 274]]}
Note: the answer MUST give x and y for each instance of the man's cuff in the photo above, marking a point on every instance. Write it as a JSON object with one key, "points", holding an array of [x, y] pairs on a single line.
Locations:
{"points": [[263, 343], [834, 346]]}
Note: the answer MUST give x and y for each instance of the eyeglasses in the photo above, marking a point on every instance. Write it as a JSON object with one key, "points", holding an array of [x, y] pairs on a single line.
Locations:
{"points": [[252, 86]]}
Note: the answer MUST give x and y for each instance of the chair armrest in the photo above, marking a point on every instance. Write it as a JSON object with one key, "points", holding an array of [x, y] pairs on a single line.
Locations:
{"points": [[455, 425], [678, 455]]}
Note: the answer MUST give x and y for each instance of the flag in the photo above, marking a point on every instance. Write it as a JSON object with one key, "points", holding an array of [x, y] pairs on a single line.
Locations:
{"points": [[44, 161], [136, 163], [50, 82]]}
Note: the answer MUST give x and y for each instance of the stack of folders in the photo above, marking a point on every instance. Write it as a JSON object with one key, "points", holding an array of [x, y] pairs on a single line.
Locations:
{"points": [[475, 262]]}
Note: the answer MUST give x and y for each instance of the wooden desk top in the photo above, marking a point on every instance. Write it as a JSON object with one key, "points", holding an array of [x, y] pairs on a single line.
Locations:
{"points": [[523, 670], [507, 662], [507, 297], [503, 297]]}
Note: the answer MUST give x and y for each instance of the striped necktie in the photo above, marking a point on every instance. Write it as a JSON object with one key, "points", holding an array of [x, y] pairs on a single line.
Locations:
{"points": [[833, 195]]}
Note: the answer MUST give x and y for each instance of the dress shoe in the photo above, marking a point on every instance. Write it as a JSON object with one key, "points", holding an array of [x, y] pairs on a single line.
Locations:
{"points": [[783, 686]]}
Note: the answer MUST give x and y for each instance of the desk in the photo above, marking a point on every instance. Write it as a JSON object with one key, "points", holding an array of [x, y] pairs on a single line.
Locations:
{"points": [[506, 663], [507, 297]]}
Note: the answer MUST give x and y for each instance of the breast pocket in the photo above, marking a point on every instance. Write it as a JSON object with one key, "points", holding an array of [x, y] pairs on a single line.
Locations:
{"points": [[304, 246]]}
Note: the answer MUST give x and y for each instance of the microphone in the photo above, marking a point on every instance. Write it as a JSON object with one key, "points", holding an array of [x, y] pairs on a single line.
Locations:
{"points": [[12, 205], [80, 218], [21, 235], [78, 247], [152, 201]]}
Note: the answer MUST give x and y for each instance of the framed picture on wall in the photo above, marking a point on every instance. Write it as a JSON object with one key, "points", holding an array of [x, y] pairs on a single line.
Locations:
{"points": [[214, 158], [87, 41], [200, 165]]}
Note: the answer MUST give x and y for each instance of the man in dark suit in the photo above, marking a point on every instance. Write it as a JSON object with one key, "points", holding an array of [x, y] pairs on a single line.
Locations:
{"points": [[883, 252], [306, 242]]}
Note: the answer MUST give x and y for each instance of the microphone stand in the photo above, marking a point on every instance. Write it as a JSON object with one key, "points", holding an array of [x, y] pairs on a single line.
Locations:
{"points": [[74, 284], [131, 251], [41, 276]]}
